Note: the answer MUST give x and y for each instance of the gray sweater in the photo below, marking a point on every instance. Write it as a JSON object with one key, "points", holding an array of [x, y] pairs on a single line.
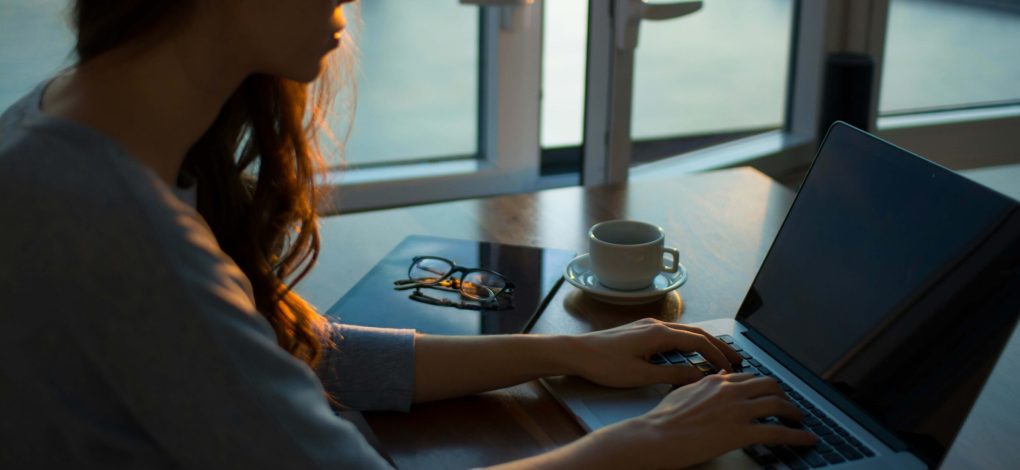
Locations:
{"points": [[128, 339]]}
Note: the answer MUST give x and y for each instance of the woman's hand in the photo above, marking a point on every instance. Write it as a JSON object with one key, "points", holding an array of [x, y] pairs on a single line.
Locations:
{"points": [[701, 421], [694, 424], [618, 357]]}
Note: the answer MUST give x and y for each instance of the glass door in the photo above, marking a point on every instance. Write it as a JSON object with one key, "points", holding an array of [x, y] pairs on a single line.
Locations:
{"points": [[714, 83]]}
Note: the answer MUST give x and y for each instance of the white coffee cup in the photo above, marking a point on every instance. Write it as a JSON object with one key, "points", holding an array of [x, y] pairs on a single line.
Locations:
{"points": [[627, 254]]}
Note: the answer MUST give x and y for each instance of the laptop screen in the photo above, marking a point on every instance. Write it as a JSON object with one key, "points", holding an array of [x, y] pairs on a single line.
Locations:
{"points": [[895, 281]]}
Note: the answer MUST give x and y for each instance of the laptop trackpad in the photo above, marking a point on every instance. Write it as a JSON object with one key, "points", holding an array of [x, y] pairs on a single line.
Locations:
{"points": [[618, 405]]}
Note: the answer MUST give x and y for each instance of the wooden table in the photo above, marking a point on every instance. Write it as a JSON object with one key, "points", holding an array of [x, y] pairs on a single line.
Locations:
{"points": [[722, 222]]}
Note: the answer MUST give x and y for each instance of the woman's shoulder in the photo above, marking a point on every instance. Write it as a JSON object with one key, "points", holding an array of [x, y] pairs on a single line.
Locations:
{"points": [[43, 148], [69, 194], [57, 170]]}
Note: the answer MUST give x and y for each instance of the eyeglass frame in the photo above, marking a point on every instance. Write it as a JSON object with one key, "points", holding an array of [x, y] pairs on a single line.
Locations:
{"points": [[409, 283], [486, 305]]}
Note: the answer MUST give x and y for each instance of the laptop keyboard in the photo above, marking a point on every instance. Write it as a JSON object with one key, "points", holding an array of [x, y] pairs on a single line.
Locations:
{"points": [[835, 444]]}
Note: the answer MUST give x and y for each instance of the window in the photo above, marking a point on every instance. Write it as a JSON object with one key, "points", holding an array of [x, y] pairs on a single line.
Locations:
{"points": [[448, 99], [941, 55], [720, 70], [418, 82], [466, 98], [564, 36], [950, 82], [946, 84], [483, 141], [719, 74], [35, 42]]}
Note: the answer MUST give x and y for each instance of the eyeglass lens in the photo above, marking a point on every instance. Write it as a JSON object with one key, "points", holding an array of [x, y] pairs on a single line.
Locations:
{"points": [[481, 285], [429, 270]]}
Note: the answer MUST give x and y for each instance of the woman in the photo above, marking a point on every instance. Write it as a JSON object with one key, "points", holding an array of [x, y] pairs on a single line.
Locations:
{"points": [[158, 200]]}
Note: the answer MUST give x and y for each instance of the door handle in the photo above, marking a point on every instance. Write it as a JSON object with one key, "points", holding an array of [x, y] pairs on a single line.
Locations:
{"points": [[629, 13], [512, 13], [666, 11]]}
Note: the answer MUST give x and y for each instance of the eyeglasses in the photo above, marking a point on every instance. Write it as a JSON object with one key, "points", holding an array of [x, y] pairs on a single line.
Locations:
{"points": [[492, 290]]}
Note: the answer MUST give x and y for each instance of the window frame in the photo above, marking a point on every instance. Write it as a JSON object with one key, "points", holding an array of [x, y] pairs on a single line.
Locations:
{"points": [[510, 153], [508, 158], [774, 151], [957, 138]]}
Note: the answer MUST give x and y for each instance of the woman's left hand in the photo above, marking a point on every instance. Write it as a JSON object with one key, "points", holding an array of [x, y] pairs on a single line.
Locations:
{"points": [[618, 357]]}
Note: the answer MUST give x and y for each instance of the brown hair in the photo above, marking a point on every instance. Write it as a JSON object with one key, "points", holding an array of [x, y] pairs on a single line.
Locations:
{"points": [[256, 170]]}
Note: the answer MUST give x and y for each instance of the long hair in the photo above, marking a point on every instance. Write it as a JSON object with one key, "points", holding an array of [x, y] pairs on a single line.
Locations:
{"points": [[256, 169]]}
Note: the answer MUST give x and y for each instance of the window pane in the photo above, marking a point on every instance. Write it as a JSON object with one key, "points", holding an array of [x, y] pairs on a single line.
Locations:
{"points": [[35, 43], [945, 53], [721, 69], [417, 88], [418, 82], [564, 41]]}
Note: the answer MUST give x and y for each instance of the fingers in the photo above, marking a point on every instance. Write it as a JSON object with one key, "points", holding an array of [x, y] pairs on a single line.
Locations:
{"points": [[737, 376], [777, 406], [772, 406], [688, 341], [721, 345], [755, 387], [774, 434], [673, 375]]}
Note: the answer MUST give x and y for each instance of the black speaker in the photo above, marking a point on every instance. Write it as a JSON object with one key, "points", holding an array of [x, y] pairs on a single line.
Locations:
{"points": [[847, 90]]}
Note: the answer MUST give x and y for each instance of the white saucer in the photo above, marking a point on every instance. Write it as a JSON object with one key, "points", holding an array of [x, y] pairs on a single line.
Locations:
{"points": [[579, 274]]}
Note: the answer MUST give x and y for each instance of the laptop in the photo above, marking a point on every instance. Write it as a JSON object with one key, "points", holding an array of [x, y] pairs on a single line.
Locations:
{"points": [[881, 307]]}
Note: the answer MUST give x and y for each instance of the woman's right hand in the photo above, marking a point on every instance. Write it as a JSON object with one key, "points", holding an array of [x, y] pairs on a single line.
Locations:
{"points": [[693, 424], [708, 418]]}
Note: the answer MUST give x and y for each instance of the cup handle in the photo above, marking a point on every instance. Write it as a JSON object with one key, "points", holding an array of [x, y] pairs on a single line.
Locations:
{"points": [[676, 260]]}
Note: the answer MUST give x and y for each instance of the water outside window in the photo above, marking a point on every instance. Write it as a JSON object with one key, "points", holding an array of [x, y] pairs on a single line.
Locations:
{"points": [[718, 70], [943, 54], [418, 82]]}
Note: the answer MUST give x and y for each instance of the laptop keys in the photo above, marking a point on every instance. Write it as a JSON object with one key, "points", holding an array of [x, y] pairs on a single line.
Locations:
{"points": [[707, 368], [674, 357], [789, 457], [832, 457], [835, 444], [849, 452], [680, 358], [810, 456]]}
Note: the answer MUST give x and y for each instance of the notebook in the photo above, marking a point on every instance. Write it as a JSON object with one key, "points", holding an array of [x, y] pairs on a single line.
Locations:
{"points": [[535, 273], [881, 307]]}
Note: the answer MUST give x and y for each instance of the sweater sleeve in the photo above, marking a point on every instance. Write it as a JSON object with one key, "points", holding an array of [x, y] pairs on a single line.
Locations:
{"points": [[370, 368]]}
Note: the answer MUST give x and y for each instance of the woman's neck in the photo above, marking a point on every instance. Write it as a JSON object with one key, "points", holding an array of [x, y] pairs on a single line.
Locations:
{"points": [[155, 102]]}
